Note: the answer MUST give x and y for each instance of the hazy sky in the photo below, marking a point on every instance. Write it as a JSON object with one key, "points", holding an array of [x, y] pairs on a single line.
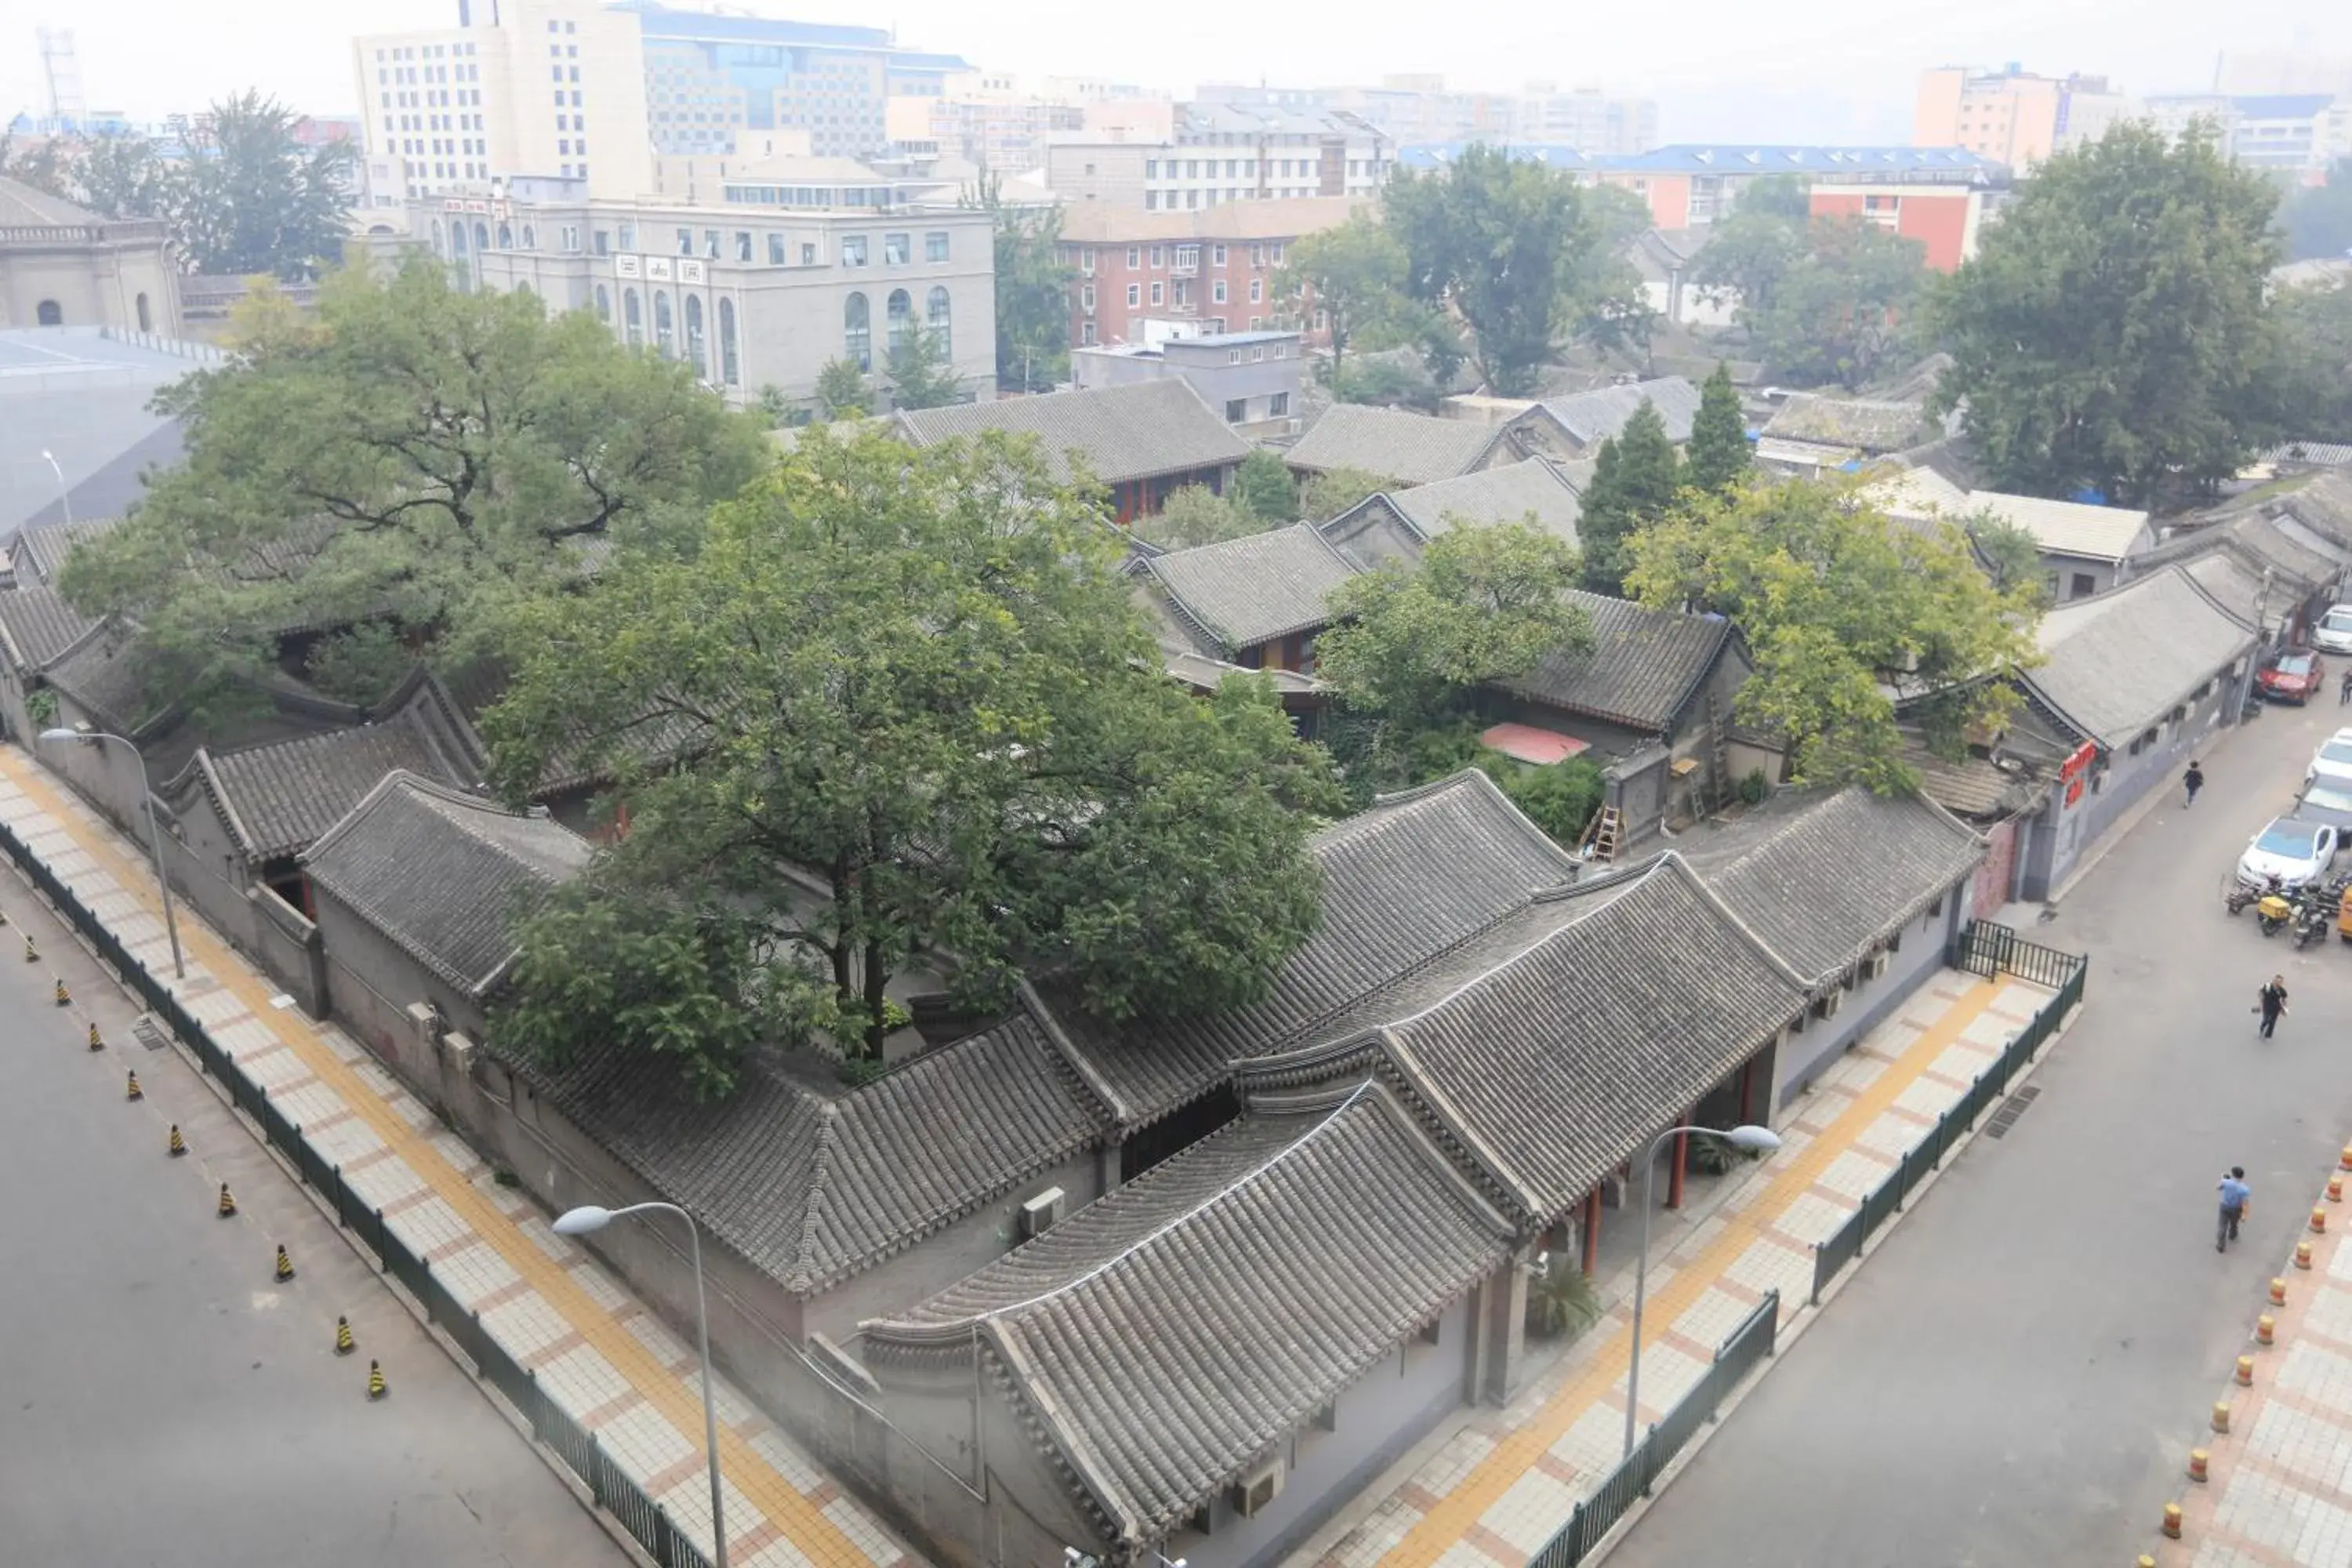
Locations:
{"points": [[1788, 70]]}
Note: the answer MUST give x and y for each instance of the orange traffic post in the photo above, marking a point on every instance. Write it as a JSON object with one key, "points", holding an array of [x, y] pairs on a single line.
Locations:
{"points": [[2318, 1218], [2245, 1372], [2278, 1291], [2336, 1188], [2303, 1254], [2265, 1329], [2197, 1464], [2220, 1415], [2345, 1159], [2172, 1520]]}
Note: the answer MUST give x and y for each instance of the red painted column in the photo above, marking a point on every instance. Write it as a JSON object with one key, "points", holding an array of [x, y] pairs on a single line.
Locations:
{"points": [[1591, 1231], [1674, 1180]]}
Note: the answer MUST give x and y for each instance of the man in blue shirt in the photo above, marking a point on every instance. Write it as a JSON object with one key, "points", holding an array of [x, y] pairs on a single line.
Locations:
{"points": [[2235, 1196]]}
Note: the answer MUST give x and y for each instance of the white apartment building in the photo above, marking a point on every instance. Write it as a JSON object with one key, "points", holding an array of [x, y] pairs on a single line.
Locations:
{"points": [[754, 291], [1585, 118], [1217, 152], [518, 86]]}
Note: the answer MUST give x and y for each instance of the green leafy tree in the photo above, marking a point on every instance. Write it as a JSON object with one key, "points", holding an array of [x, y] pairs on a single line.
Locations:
{"points": [[359, 664], [1842, 606], [2310, 381], [1032, 293], [1843, 308], [2012, 557], [1558, 797], [1634, 481], [1755, 247], [1265, 488], [250, 198], [916, 677], [1606, 303], [1195, 515], [774, 407], [2319, 218], [1386, 383], [2110, 330], [423, 457], [1498, 241], [1326, 495], [1486, 602], [118, 174], [921, 374], [842, 390], [1355, 273], [40, 163], [1718, 455]]}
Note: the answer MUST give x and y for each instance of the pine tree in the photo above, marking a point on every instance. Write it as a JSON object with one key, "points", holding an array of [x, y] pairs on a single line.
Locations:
{"points": [[1719, 458], [1633, 484]]}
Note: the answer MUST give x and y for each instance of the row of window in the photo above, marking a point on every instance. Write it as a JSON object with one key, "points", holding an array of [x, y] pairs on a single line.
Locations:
{"points": [[1165, 200], [1186, 258], [1217, 295], [857, 326], [1246, 168], [1279, 320]]}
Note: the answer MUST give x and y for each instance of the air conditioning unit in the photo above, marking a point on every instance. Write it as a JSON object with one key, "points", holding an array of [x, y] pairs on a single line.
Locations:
{"points": [[1827, 1006], [1876, 964], [1041, 1213], [1256, 1492], [1293, 426]]}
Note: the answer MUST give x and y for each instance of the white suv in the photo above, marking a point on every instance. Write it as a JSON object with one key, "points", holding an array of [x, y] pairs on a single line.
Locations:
{"points": [[2332, 763], [2332, 634]]}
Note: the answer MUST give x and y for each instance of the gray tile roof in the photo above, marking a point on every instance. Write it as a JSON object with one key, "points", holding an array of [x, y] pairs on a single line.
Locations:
{"points": [[1545, 1050], [1410, 449], [2231, 582], [2323, 505], [1600, 414], [40, 548], [443, 873], [2065, 527], [2314, 454], [114, 676], [278, 798], [1245, 592], [1413, 876], [1867, 425], [1122, 432], [2118, 662], [1161, 1340], [1397, 524], [810, 1188], [1823, 876], [1977, 788], [37, 625], [1644, 666]]}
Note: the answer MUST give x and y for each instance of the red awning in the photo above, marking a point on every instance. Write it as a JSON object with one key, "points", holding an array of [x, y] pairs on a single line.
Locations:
{"points": [[1525, 744]]}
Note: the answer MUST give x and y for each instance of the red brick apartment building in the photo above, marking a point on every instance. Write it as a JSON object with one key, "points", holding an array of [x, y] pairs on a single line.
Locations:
{"points": [[1217, 266]]}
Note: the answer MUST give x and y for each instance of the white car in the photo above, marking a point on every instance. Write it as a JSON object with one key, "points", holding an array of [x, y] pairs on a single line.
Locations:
{"points": [[2334, 632], [2294, 851], [2332, 763]]}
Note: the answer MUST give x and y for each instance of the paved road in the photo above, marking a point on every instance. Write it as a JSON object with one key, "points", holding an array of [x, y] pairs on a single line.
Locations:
{"points": [[162, 1401], [2015, 1377]]}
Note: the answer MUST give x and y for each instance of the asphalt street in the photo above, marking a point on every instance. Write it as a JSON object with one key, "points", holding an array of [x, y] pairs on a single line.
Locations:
{"points": [[162, 1400], [2016, 1375]]}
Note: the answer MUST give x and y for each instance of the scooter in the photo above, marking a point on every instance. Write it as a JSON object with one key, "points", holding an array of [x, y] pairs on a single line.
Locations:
{"points": [[2238, 898], [2271, 912]]}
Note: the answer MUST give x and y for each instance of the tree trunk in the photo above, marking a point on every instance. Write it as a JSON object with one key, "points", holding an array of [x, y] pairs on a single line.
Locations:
{"points": [[877, 1028]]}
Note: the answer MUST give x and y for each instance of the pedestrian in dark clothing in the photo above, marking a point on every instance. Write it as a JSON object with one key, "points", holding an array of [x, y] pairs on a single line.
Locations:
{"points": [[2235, 1196], [2271, 1002], [2195, 779], [2344, 689]]}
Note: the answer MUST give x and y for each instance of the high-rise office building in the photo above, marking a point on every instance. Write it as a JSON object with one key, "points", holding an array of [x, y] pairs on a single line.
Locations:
{"points": [[2010, 115]]}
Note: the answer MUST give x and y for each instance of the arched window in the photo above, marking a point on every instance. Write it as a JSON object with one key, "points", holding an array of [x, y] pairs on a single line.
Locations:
{"points": [[857, 333], [505, 236], [636, 317], [529, 237], [458, 239], [603, 305], [146, 322], [665, 324], [48, 313], [729, 370], [937, 306], [481, 236], [440, 246], [902, 320], [694, 355]]}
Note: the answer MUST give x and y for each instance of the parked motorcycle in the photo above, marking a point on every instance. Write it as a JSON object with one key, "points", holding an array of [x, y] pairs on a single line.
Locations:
{"points": [[2239, 897], [2272, 912], [2315, 915]]}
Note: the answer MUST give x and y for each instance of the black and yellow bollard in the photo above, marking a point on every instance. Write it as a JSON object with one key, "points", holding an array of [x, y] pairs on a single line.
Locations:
{"points": [[32, 954], [376, 1389], [285, 1267], [344, 1344], [97, 1041], [63, 996], [227, 1203], [177, 1146], [131, 1090]]}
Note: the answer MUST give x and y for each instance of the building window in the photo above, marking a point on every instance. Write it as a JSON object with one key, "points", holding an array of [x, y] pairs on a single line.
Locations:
{"points": [[935, 246], [145, 323], [685, 242], [603, 305], [1258, 290], [729, 368], [634, 318], [1151, 168], [742, 245], [775, 250], [857, 333], [1217, 253], [1134, 257], [1236, 410], [1151, 201], [1159, 293], [694, 335], [897, 250], [1217, 293], [936, 310], [1278, 404], [1087, 299], [853, 250], [808, 253], [1087, 335], [1159, 257], [665, 324], [1135, 294], [902, 313]]}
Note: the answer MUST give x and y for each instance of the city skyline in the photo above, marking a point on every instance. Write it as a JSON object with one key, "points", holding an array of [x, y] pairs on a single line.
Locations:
{"points": [[1727, 72]]}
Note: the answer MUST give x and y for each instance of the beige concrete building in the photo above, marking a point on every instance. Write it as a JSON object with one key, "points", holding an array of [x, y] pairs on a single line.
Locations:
{"points": [[517, 86], [2010, 115], [751, 293], [63, 266]]}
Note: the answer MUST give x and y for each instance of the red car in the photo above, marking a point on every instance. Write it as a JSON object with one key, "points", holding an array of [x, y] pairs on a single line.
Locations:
{"points": [[2292, 676]]}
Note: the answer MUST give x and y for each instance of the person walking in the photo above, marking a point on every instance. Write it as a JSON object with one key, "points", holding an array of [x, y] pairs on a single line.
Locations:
{"points": [[2271, 1002], [2343, 688], [2235, 1196], [2195, 779]]}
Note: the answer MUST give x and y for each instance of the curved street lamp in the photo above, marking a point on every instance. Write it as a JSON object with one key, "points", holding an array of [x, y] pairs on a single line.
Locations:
{"points": [[587, 1218], [1754, 1140], [154, 838]]}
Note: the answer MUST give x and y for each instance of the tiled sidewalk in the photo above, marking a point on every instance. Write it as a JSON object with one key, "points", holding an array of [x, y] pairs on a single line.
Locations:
{"points": [[1509, 1480], [598, 1351], [2280, 1486]]}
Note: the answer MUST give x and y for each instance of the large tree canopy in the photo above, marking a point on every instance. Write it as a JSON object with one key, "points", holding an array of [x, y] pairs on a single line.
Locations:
{"points": [[2110, 330], [1033, 294], [1822, 299], [1356, 274], [1636, 477], [419, 456], [1842, 606], [1499, 240], [917, 677]]}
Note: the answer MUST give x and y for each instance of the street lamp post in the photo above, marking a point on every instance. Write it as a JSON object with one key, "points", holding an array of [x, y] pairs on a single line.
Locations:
{"points": [[589, 1218], [1752, 1139], [154, 837], [65, 496]]}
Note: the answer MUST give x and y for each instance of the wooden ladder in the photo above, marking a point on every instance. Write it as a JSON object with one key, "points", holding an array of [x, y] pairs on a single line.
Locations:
{"points": [[1606, 835], [1717, 758]]}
